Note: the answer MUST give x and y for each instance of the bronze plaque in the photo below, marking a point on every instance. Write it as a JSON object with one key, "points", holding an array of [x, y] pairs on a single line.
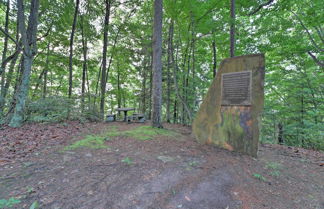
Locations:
{"points": [[236, 88]]}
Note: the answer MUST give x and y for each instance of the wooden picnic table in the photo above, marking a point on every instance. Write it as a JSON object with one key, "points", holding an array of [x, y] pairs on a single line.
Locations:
{"points": [[125, 110]]}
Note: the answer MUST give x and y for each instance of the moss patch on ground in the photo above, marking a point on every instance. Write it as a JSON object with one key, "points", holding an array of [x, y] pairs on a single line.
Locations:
{"points": [[144, 133], [94, 141], [90, 141]]}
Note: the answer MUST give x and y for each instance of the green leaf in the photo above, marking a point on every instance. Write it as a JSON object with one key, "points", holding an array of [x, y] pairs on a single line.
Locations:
{"points": [[34, 205]]}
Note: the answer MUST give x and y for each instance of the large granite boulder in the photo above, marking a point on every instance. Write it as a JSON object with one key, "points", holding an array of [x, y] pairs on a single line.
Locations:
{"points": [[229, 116]]}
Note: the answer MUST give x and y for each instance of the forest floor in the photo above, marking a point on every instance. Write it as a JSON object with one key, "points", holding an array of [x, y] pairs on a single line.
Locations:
{"points": [[48, 164]]}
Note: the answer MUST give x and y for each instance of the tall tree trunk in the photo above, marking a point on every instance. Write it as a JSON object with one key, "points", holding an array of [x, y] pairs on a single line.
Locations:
{"points": [[280, 134], [144, 74], [4, 54], [5, 44], [18, 76], [193, 95], [175, 119], [84, 70], [151, 86], [4, 89], [232, 32], [170, 41], [27, 36], [214, 59], [76, 11], [157, 65], [104, 60], [46, 71], [119, 99]]}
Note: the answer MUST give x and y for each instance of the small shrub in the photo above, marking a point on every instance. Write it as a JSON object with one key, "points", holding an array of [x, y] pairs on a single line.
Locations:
{"points": [[9, 203], [35, 205], [127, 160], [275, 173], [259, 176], [273, 165], [91, 113], [50, 109]]}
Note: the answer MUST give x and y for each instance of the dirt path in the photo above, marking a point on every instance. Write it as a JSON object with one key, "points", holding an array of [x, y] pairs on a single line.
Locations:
{"points": [[167, 172]]}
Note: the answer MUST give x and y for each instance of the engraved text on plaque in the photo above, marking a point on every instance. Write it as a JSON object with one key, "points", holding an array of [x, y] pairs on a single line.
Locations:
{"points": [[236, 88]]}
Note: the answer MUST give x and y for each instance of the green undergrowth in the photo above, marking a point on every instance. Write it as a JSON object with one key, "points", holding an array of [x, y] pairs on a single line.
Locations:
{"points": [[93, 141], [4, 203], [90, 141], [144, 133]]}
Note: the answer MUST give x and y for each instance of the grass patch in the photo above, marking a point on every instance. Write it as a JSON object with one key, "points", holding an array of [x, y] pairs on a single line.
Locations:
{"points": [[90, 141], [275, 173], [9, 203], [274, 168], [259, 176], [94, 141], [273, 165], [144, 133], [127, 160]]}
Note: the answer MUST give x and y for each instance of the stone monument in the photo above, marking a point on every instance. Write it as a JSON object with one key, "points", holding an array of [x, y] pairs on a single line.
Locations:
{"points": [[230, 115]]}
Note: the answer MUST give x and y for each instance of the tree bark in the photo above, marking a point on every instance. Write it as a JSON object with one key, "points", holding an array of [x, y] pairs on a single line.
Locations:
{"points": [[4, 89], [144, 75], [170, 43], [46, 71], [214, 59], [119, 99], [84, 70], [104, 59], [280, 134], [151, 86], [27, 36], [5, 45], [157, 65], [76, 11], [4, 54]]}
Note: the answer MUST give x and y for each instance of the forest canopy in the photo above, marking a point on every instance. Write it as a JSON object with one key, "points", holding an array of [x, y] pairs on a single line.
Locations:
{"points": [[81, 59]]}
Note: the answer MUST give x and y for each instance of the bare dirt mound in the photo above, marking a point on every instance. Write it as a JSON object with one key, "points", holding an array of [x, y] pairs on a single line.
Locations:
{"points": [[168, 171]]}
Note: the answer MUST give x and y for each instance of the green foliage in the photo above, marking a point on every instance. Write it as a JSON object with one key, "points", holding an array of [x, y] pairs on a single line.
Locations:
{"points": [[259, 177], [58, 109], [90, 141], [193, 163], [127, 160], [51, 109], [275, 173], [274, 168], [144, 133], [273, 165], [35, 205], [95, 141], [4, 203]]}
